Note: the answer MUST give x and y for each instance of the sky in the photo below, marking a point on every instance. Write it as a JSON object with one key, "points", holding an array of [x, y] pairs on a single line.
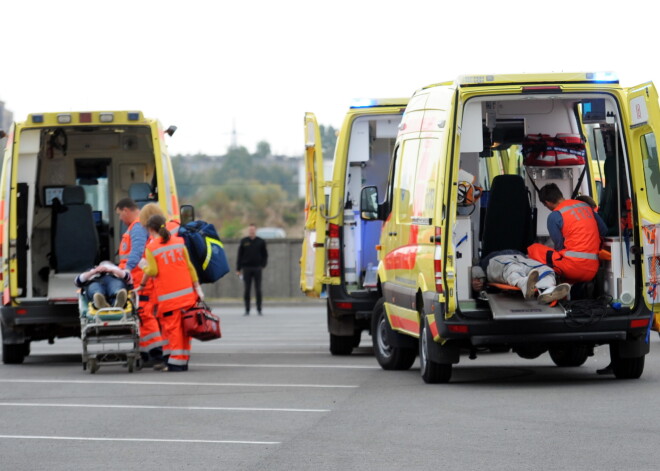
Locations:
{"points": [[206, 66]]}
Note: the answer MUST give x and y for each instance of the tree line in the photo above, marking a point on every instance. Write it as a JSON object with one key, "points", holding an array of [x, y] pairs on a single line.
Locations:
{"points": [[238, 188]]}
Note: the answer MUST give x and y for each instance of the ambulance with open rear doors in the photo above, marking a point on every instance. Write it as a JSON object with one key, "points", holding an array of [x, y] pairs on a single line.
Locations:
{"points": [[432, 235], [62, 175]]}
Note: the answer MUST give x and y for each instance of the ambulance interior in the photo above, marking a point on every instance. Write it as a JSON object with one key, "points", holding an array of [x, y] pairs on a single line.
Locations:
{"points": [[69, 179], [371, 143], [494, 125]]}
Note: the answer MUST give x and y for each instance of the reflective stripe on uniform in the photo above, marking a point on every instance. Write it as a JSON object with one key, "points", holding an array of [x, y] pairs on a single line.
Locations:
{"points": [[573, 206], [167, 248], [176, 361], [179, 352], [150, 336], [175, 231], [589, 256], [175, 294]]}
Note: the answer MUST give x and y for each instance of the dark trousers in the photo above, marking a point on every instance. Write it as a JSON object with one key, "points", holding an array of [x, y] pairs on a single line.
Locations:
{"points": [[249, 274]]}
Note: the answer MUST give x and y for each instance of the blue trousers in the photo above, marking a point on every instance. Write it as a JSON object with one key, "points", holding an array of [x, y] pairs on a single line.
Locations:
{"points": [[107, 285]]}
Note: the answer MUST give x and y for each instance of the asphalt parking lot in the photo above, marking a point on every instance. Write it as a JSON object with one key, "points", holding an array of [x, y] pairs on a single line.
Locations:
{"points": [[268, 395]]}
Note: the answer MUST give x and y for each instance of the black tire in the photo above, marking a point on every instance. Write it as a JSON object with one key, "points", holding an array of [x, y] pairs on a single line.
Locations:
{"points": [[389, 357], [341, 345], [432, 372], [13, 354], [569, 355], [626, 368]]}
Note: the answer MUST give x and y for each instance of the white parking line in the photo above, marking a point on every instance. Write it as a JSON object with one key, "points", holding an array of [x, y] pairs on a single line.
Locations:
{"points": [[288, 365], [157, 440], [180, 383], [130, 406]]}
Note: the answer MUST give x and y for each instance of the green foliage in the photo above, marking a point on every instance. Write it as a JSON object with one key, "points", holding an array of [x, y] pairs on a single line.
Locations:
{"points": [[328, 141], [236, 189]]}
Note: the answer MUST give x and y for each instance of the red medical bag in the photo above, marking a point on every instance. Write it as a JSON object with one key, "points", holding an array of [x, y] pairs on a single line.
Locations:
{"points": [[199, 322]]}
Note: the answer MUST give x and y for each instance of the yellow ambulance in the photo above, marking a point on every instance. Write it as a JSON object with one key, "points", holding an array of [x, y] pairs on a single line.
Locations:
{"points": [[339, 257], [436, 228], [62, 175]]}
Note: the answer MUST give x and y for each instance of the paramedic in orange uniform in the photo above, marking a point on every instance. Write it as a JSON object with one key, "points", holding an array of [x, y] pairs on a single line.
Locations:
{"points": [[576, 231], [175, 285], [131, 250], [147, 295]]}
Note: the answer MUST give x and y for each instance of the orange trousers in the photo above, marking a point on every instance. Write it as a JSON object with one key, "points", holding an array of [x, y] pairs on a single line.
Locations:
{"points": [[150, 332], [572, 270], [179, 344]]}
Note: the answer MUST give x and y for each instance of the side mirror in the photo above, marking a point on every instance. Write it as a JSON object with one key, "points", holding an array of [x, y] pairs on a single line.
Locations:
{"points": [[369, 203], [170, 131], [187, 214]]}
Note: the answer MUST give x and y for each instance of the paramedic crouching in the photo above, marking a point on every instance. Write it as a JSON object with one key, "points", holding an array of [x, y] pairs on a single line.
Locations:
{"points": [[576, 232]]}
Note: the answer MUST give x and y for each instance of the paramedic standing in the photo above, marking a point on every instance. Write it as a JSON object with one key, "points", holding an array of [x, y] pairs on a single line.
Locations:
{"points": [[576, 231], [176, 287], [131, 250], [252, 259]]}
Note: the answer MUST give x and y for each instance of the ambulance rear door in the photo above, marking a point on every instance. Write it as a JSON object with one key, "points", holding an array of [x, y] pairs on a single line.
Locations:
{"points": [[312, 263], [5, 209], [644, 123]]}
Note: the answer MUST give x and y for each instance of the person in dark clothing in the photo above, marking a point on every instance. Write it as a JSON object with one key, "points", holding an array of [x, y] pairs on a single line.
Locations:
{"points": [[252, 259]]}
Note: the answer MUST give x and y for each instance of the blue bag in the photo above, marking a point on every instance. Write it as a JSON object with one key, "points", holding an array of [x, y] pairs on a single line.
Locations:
{"points": [[206, 251]]}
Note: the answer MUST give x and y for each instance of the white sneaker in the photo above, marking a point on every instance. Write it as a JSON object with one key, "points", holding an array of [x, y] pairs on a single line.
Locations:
{"points": [[120, 298], [530, 285], [99, 301], [559, 292]]}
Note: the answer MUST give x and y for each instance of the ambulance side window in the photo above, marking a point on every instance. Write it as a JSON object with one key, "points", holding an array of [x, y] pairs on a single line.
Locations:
{"points": [[651, 170], [392, 180]]}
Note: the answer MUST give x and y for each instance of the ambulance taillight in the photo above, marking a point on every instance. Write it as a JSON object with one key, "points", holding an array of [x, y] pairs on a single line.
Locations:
{"points": [[437, 259], [334, 250]]}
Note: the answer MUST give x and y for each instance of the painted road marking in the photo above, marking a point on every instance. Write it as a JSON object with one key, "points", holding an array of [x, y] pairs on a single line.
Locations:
{"points": [[157, 440], [181, 383], [288, 365], [130, 406]]}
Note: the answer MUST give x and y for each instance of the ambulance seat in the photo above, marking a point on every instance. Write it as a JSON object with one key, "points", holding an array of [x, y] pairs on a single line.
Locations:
{"points": [[75, 238], [508, 222]]}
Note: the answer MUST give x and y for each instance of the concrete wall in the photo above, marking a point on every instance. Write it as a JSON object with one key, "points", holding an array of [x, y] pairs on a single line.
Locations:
{"points": [[281, 278]]}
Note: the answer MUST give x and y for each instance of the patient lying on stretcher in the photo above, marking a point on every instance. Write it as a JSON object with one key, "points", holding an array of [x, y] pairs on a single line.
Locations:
{"points": [[514, 268]]}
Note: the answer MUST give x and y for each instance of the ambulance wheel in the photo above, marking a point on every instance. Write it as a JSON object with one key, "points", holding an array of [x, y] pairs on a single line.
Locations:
{"points": [[627, 368], [432, 372], [341, 344], [569, 355], [389, 357], [13, 353]]}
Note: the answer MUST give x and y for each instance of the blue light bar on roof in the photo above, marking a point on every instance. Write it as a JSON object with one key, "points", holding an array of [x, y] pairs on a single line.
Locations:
{"points": [[602, 77], [363, 103], [37, 118], [133, 116]]}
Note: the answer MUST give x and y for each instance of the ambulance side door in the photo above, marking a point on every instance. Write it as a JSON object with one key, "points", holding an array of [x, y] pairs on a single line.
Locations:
{"points": [[5, 209], [312, 262], [644, 122]]}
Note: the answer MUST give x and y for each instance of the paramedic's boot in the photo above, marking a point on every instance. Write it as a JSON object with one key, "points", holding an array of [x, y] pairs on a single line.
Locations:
{"points": [[120, 298], [529, 287], [100, 301], [555, 294]]}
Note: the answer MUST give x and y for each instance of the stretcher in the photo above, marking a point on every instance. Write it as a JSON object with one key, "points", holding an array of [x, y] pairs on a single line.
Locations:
{"points": [[110, 336]]}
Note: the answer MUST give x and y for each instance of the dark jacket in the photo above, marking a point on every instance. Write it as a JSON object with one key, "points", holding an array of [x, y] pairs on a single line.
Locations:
{"points": [[252, 253]]}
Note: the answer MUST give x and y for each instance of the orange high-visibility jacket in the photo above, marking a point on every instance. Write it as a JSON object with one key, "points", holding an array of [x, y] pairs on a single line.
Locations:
{"points": [[173, 273]]}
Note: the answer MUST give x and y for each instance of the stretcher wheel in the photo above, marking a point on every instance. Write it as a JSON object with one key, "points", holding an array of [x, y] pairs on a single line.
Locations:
{"points": [[93, 365], [131, 364]]}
